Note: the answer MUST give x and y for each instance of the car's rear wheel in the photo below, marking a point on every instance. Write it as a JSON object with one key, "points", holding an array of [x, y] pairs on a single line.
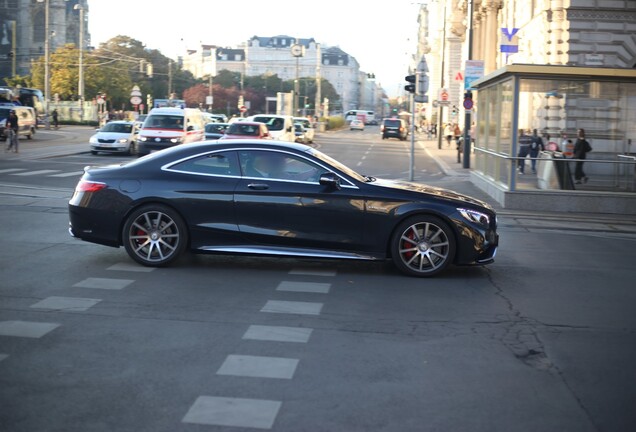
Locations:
{"points": [[423, 246], [154, 235]]}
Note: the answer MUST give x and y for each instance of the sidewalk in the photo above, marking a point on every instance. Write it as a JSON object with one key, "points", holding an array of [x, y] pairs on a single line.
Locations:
{"points": [[49, 143], [457, 178]]}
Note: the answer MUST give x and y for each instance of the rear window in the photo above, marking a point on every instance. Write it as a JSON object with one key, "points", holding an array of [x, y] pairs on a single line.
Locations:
{"points": [[215, 128], [273, 123], [392, 123], [243, 129]]}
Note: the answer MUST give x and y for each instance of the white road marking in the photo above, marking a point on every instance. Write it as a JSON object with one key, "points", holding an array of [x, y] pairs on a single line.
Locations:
{"points": [[68, 174], [3, 356], [32, 173], [104, 283], [67, 304], [258, 366], [26, 328], [132, 267], [292, 307], [8, 170], [278, 333], [309, 272], [237, 412], [305, 287]]}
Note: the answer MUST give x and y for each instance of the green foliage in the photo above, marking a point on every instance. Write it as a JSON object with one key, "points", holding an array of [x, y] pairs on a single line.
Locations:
{"points": [[334, 122]]}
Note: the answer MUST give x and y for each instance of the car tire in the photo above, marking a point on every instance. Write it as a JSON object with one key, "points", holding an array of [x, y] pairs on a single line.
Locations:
{"points": [[93, 152], [154, 235], [31, 133], [423, 246]]}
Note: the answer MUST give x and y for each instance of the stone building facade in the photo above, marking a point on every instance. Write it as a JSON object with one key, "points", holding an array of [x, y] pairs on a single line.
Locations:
{"points": [[29, 16]]}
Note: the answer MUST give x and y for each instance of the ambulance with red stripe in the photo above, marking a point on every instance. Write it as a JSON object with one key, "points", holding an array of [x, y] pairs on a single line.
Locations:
{"points": [[167, 127]]}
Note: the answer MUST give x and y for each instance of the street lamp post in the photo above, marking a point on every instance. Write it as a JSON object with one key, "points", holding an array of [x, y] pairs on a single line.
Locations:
{"points": [[80, 86], [47, 89]]}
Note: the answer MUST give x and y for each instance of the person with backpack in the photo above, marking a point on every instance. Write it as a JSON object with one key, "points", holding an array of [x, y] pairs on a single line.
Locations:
{"points": [[524, 143], [581, 148]]}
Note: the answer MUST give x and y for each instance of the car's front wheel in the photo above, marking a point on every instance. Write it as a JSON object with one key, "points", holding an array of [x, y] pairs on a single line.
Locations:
{"points": [[423, 246], [154, 235]]}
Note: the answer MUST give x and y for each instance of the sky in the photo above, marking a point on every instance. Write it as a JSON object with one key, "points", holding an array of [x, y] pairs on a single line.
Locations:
{"points": [[381, 36]]}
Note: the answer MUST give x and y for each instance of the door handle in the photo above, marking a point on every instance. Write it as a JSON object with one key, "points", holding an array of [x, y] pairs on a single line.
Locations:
{"points": [[258, 186]]}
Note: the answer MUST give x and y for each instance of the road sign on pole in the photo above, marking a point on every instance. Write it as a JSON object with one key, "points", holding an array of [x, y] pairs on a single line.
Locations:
{"points": [[474, 70]]}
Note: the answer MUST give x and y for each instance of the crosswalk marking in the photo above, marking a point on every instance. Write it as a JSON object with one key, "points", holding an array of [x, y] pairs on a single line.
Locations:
{"points": [[104, 283], [236, 412], [292, 307], [9, 170], [278, 333], [305, 287], [258, 366], [27, 329], [67, 304], [312, 272], [68, 174], [3, 356], [33, 173]]}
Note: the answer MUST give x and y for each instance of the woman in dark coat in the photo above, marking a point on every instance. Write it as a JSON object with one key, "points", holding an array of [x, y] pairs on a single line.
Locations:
{"points": [[581, 148]]}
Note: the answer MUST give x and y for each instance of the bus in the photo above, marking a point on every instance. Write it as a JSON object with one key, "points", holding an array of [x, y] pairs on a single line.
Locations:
{"points": [[367, 117], [169, 103], [29, 97]]}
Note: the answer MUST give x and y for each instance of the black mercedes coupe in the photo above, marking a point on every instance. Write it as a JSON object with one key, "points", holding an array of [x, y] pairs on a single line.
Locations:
{"points": [[274, 198]]}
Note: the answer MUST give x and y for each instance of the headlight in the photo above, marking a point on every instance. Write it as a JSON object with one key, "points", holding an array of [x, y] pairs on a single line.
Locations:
{"points": [[475, 216], [93, 140], [142, 139], [122, 140], [176, 140]]}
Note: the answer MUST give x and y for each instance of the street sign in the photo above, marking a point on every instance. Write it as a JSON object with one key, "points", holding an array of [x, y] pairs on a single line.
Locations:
{"points": [[135, 92], [458, 76], [468, 104], [243, 108], [510, 41], [473, 71], [209, 100], [135, 100], [443, 95]]}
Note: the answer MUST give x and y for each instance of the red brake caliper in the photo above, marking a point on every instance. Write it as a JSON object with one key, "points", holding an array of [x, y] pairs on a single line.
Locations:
{"points": [[408, 245]]}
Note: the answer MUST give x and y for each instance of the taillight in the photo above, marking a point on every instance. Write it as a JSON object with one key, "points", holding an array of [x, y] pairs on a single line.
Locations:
{"points": [[89, 186]]}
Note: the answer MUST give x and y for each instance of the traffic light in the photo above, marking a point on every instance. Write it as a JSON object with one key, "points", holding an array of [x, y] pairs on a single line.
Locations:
{"points": [[410, 87]]}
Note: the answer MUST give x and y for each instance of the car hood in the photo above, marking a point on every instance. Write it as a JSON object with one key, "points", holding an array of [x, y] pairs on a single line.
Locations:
{"points": [[241, 137], [111, 135], [432, 191]]}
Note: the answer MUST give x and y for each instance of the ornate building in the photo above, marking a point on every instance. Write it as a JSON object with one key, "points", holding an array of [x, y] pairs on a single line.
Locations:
{"points": [[29, 18]]}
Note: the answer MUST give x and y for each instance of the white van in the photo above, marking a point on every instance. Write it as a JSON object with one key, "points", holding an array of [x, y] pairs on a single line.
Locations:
{"points": [[281, 127], [167, 127]]}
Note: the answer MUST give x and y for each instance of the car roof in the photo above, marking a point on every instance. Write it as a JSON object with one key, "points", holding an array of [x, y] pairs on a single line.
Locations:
{"points": [[120, 122], [250, 123]]}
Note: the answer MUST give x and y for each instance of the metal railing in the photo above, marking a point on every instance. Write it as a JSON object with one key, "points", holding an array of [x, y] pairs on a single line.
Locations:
{"points": [[555, 172]]}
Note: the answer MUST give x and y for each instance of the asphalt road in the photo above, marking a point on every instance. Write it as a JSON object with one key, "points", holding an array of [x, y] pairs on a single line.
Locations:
{"points": [[544, 339]]}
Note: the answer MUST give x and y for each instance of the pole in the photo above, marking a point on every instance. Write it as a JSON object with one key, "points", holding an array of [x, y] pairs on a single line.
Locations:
{"points": [[440, 114], [81, 62], [412, 127], [169, 78], [210, 93], [467, 119], [318, 83], [47, 83], [296, 89], [13, 49]]}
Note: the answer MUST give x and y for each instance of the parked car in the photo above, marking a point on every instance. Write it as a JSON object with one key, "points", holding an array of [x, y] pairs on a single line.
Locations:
{"points": [[166, 127], [310, 132], [246, 129], [218, 118], [356, 125], [299, 131], [27, 120], [394, 128], [114, 137], [275, 198], [215, 130]]}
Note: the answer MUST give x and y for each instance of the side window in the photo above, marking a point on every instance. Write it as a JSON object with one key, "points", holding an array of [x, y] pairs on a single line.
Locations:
{"points": [[278, 166], [221, 164]]}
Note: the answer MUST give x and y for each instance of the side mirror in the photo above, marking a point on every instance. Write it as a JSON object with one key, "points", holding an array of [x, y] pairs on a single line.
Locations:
{"points": [[190, 128], [330, 180], [289, 129]]}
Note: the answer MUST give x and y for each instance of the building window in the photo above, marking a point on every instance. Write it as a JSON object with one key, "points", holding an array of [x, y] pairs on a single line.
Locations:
{"points": [[38, 26], [340, 62], [237, 57]]}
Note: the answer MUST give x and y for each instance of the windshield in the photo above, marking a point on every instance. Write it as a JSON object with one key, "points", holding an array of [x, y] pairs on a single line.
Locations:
{"points": [[334, 163], [117, 127], [243, 129], [4, 113], [273, 123], [164, 121], [392, 123]]}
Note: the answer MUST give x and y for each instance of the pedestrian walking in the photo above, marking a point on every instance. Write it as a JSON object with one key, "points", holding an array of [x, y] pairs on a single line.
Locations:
{"points": [[448, 133], [435, 130], [581, 148], [524, 149], [54, 114], [457, 133], [12, 127], [535, 147]]}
